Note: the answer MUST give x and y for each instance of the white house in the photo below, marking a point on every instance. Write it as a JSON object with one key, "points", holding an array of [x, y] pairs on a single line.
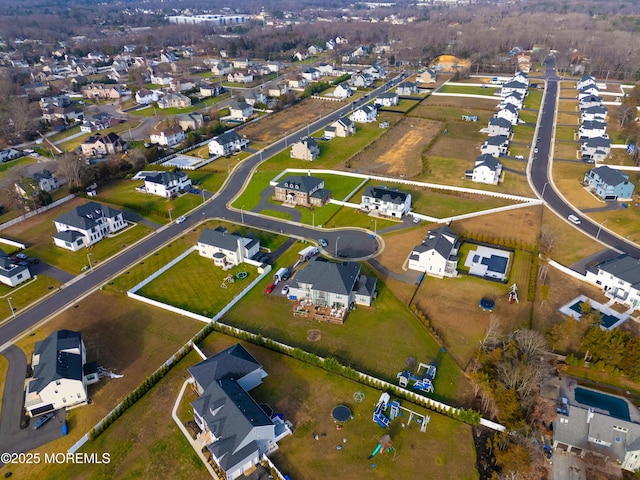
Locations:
{"points": [[227, 250], [407, 88], [587, 91], [311, 74], [12, 274], [362, 80], [499, 126], [174, 100], [233, 427], [590, 101], [592, 129], [389, 202], [87, 224], [240, 77], [514, 99], [227, 143], [585, 81], [509, 113], [495, 146], [595, 148], [595, 113], [167, 134], [436, 255], [146, 97], [342, 91], [487, 169], [305, 149], [365, 114], [342, 127], [165, 184], [60, 374], [387, 99], [240, 110], [9, 154], [514, 86], [619, 279]]}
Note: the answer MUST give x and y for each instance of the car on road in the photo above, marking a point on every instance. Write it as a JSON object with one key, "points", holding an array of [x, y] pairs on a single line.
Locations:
{"points": [[40, 421], [269, 288], [285, 290], [323, 242], [181, 219], [535, 150], [573, 219], [33, 260]]}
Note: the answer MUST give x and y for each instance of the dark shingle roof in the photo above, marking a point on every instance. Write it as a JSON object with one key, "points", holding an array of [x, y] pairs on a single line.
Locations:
{"points": [[326, 276], [610, 176], [496, 140], [68, 236], [488, 160], [220, 239], [55, 363], [623, 267], [227, 137], [442, 240], [233, 363], [500, 122], [165, 178], [386, 194], [84, 216], [299, 182]]}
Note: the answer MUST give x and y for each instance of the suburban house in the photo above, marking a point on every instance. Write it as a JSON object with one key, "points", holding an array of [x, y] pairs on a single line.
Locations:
{"points": [[9, 154], [596, 113], [595, 149], [97, 122], [514, 99], [342, 91], [407, 88], [240, 110], [591, 129], [99, 90], [590, 101], [277, 90], [87, 224], [160, 79], [514, 86], [581, 428], [427, 76], [305, 149], [190, 121], [508, 112], [255, 97], [43, 180], [311, 74], [146, 97], [174, 100], [587, 91], [499, 126], [389, 202], [211, 89], [487, 169], [362, 80], [585, 81], [221, 68], [167, 133], [227, 250], [495, 146], [106, 144], [302, 190], [227, 143], [297, 81], [335, 285], [365, 114], [60, 374], [240, 77], [233, 427], [342, 127], [619, 278], [608, 183], [437, 254], [11, 273], [70, 113], [165, 184], [387, 99]]}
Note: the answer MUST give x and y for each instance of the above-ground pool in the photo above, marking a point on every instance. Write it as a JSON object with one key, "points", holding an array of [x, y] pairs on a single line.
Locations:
{"points": [[607, 320], [616, 407]]}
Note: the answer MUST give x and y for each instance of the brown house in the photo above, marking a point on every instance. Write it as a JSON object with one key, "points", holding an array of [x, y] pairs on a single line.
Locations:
{"points": [[300, 190]]}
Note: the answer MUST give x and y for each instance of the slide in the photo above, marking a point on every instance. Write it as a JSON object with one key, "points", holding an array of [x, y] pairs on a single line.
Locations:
{"points": [[373, 454]]}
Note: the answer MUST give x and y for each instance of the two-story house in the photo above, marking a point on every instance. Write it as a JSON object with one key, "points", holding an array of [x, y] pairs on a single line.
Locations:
{"points": [[165, 184], [305, 149], [11, 272], [103, 144], [365, 114], [499, 126], [306, 191], [240, 111], [595, 149], [389, 202], [437, 254], [386, 99], [591, 129], [495, 146], [174, 100], [608, 183], [167, 133], [342, 127], [227, 250], [86, 224], [227, 143], [487, 169], [619, 279]]}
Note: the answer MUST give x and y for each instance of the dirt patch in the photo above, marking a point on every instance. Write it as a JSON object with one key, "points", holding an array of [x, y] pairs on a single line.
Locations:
{"points": [[276, 125], [398, 152], [398, 245], [314, 335]]}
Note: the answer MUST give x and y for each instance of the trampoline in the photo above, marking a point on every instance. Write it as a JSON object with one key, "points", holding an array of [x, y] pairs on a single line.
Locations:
{"points": [[341, 414], [241, 275]]}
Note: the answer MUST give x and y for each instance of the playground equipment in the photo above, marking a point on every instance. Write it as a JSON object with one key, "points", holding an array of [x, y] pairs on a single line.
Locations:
{"points": [[358, 397], [422, 382], [470, 118], [384, 445], [513, 294], [227, 279], [241, 275], [396, 410], [341, 414]]}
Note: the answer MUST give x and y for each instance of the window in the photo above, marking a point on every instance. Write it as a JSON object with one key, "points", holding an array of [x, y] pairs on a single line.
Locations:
{"points": [[19, 276], [57, 382]]}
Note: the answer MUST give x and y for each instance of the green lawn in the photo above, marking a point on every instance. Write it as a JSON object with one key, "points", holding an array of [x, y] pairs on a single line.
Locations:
{"points": [[348, 217], [15, 164], [71, 145], [566, 133], [533, 99], [276, 214], [25, 294], [624, 222]]}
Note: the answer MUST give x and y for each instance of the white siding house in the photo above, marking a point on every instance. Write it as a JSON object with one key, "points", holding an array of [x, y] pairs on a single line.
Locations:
{"points": [[87, 224], [226, 250], [436, 255], [386, 201]]}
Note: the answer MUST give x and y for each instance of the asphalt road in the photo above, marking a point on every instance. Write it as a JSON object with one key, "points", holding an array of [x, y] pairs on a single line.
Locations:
{"points": [[540, 173], [352, 243]]}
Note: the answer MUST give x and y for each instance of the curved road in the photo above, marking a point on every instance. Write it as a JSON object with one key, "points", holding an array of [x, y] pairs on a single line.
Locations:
{"points": [[352, 243], [540, 172]]}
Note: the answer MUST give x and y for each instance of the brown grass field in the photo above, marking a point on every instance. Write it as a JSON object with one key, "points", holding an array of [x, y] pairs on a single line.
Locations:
{"points": [[277, 125], [398, 153], [568, 179], [522, 225]]}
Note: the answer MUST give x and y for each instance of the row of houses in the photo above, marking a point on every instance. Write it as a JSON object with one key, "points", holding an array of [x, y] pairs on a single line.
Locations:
{"points": [[595, 144]]}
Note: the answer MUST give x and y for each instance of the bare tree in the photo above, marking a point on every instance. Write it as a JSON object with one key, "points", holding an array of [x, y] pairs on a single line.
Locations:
{"points": [[72, 168]]}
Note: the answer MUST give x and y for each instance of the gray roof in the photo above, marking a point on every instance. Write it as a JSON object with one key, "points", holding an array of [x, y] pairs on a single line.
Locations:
{"points": [[227, 137], [326, 276], [488, 160], [68, 236], [386, 194], [221, 239], [500, 122], [9, 268], [233, 363], [366, 285], [508, 106], [239, 105], [54, 363], [388, 95], [515, 84], [597, 142], [85, 216], [299, 182], [497, 140], [442, 240], [623, 267], [164, 178], [593, 125], [610, 176], [595, 109]]}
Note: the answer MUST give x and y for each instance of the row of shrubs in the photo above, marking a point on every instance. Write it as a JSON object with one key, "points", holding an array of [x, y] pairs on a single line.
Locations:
{"points": [[506, 242]]}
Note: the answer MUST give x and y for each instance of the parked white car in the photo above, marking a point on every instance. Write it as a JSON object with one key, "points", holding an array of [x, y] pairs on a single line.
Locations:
{"points": [[573, 219]]}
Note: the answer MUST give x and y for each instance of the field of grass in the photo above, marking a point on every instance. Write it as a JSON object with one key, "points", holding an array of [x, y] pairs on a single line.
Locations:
{"points": [[71, 145], [25, 294], [15, 164], [348, 217], [568, 179], [468, 90], [566, 150], [566, 133], [624, 222], [533, 99]]}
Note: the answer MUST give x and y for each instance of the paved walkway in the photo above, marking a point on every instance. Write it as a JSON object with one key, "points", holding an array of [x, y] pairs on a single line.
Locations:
{"points": [[264, 204], [411, 276]]}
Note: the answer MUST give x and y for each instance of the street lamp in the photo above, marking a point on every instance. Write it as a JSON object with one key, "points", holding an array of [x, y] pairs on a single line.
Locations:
{"points": [[313, 219], [170, 219], [543, 189], [242, 214], [203, 195], [89, 260], [13, 312], [600, 228], [337, 246]]}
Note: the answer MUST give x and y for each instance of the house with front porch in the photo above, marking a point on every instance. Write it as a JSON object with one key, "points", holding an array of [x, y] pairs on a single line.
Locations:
{"points": [[232, 426], [227, 250], [87, 224], [437, 254], [305, 149], [388, 202], [325, 283], [608, 183], [227, 143], [306, 191], [619, 279]]}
